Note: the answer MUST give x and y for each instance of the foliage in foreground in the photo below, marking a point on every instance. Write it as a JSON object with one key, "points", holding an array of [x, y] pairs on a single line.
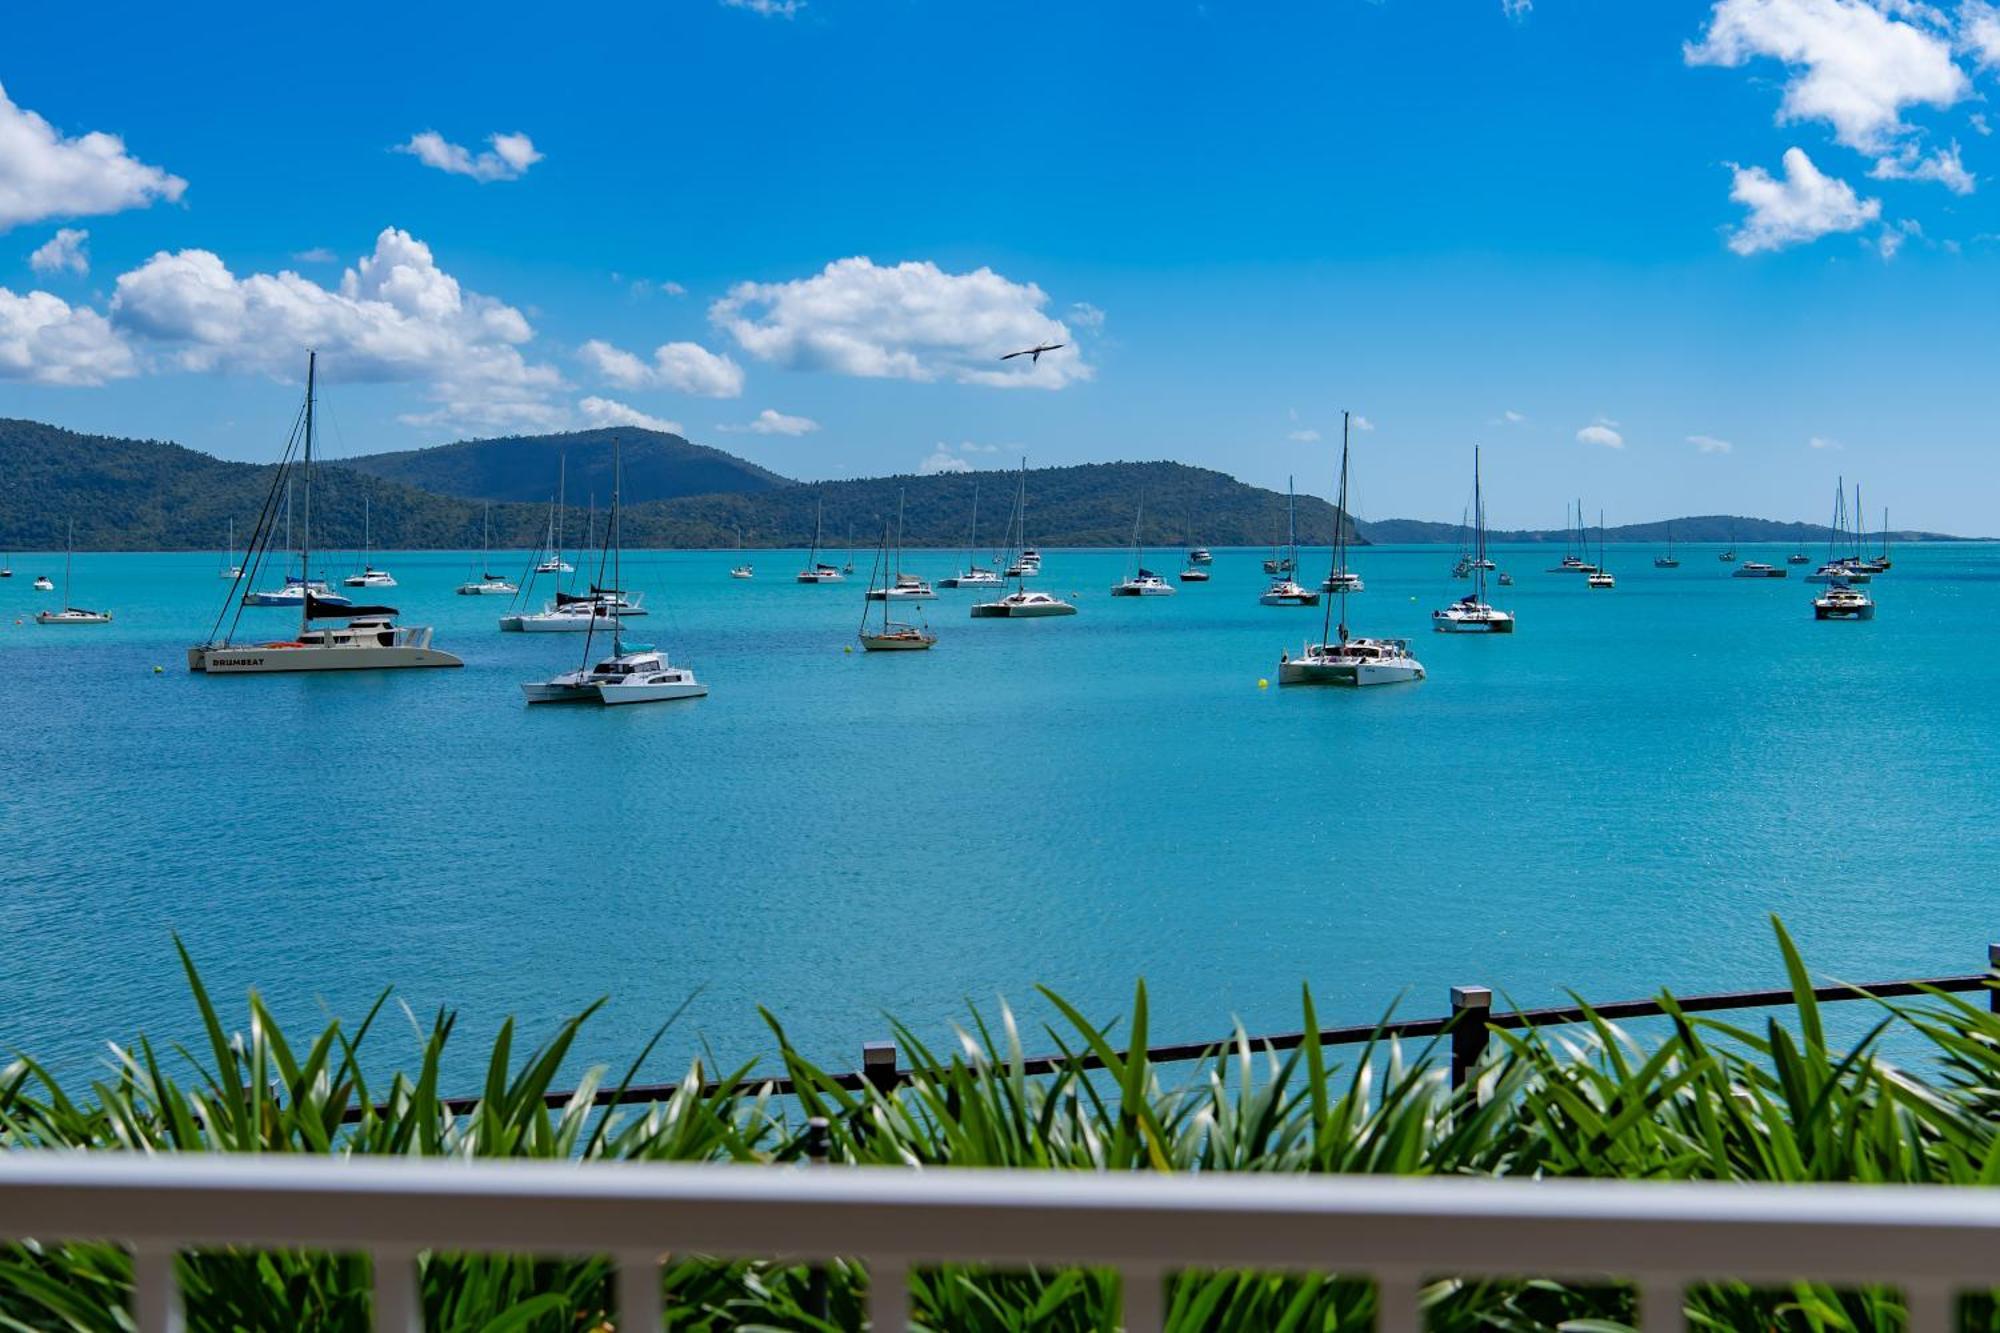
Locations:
{"points": [[1706, 1100]]}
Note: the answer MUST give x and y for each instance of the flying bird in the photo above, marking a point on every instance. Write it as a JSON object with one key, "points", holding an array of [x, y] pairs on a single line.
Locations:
{"points": [[1034, 352]]}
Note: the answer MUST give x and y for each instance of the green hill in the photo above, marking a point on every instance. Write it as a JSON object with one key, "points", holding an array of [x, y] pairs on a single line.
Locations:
{"points": [[523, 467], [1700, 528]]}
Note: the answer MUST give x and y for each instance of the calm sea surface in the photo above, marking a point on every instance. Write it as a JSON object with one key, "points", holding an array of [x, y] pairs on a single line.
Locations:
{"points": [[1614, 799]]}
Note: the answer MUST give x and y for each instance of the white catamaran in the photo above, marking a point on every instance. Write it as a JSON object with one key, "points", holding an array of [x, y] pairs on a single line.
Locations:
{"points": [[1140, 581], [370, 640], [1340, 659]]}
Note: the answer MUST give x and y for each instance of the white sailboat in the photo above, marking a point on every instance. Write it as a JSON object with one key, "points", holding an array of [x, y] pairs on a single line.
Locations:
{"points": [[632, 674], [488, 584], [552, 559], [1600, 577], [974, 575], [818, 570], [369, 577], [232, 568], [1841, 568], [1669, 560], [1023, 603], [1341, 659], [889, 636], [370, 640], [903, 587], [293, 590], [71, 614], [1471, 614], [1140, 581], [1284, 589]]}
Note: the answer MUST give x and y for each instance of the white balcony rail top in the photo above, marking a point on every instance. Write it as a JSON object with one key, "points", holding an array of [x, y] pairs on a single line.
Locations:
{"points": [[1930, 1241]]}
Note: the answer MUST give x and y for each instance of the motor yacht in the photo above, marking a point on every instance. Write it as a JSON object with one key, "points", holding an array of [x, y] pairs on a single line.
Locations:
{"points": [[370, 577], [1201, 555], [1145, 583], [1285, 592], [1194, 574], [1757, 569], [43, 583], [1343, 580]]}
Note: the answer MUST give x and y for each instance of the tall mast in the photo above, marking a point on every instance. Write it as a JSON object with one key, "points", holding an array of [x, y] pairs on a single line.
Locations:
{"points": [[562, 498], [617, 549], [819, 517], [1478, 532], [972, 534], [367, 529], [306, 533], [69, 553], [1339, 543], [899, 543]]}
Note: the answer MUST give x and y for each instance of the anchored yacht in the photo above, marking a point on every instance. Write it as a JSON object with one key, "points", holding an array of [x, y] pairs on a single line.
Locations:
{"points": [[1757, 569], [71, 615], [1842, 602], [1471, 614]]}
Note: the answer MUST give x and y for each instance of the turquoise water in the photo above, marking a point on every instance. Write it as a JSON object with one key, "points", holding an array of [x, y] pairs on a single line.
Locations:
{"points": [[1611, 800]]}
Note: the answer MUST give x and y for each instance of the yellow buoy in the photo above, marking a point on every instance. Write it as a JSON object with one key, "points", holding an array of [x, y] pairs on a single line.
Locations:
{"points": [[1263, 683], [848, 649], [156, 671]]}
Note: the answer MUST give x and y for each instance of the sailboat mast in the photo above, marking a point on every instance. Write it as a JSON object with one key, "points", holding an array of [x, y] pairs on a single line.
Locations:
{"points": [[69, 554], [900, 495], [306, 533], [1478, 532], [972, 533], [617, 551], [1339, 545]]}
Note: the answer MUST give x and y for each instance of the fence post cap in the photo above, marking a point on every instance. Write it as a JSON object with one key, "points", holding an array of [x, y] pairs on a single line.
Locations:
{"points": [[1471, 997], [1993, 955], [878, 1053]]}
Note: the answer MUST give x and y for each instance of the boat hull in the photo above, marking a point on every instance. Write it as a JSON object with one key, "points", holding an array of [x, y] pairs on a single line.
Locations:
{"points": [[642, 693], [1351, 674], [897, 643], [1001, 611], [267, 659], [1497, 624], [1843, 612], [1292, 599]]}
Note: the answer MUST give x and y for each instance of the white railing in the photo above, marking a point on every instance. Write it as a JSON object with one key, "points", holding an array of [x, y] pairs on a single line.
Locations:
{"points": [[1932, 1243]]}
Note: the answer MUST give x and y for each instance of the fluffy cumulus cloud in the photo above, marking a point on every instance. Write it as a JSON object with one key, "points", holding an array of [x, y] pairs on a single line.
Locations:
{"points": [[44, 174], [1602, 434], [910, 321], [682, 366], [770, 422], [1708, 444], [1804, 205], [46, 340], [395, 316], [508, 159], [941, 460], [1854, 64], [1979, 32], [610, 412], [62, 253], [1943, 166]]}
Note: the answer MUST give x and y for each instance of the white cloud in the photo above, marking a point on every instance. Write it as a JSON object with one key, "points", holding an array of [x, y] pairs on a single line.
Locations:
{"points": [[782, 9], [1708, 444], [508, 159], [1804, 206], [769, 422], [1942, 166], [1086, 316], [682, 366], [46, 340], [1307, 436], [1979, 33], [319, 254], [912, 321], [1890, 242], [1517, 10], [1978, 122], [1513, 418], [62, 252], [942, 459], [1852, 64], [1601, 434], [44, 175], [1821, 442], [610, 412], [1361, 423], [395, 316]]}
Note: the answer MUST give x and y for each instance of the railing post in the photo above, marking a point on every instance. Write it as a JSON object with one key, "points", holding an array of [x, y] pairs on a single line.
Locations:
{"points": [[816, 1155], [878, 1065], [1143, 1292], [888, 1297], [1661, 1305], [1993, 965], [156, 1296], [640, 1304], [1398, 1304], [397, 1306], [1471, 1006]]}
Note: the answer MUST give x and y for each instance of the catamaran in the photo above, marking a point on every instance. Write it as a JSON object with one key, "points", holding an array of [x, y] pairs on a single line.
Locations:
{"points": [[1342, 659], [370, 640], [1140, 581], [1843, 602], [1471, 614], [71, 614], [1838, 567], [974, 575], [633, 674], [1022, 603], [369, 577], [488, 584], [818, 570]]}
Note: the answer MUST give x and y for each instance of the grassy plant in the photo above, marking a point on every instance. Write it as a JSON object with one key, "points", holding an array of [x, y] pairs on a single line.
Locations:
{"points": [[1706, 1100]]}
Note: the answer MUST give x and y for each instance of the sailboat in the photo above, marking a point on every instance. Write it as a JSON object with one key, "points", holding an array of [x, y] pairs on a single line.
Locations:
{"points": [[1140, 581], [71, 614], [817, 570], [1869, 564], [1198, 557], [1729, 556], [1342, 659], [1667, 561], [232, 568], [634, 673], [1284, 589], [370, 640], [974, 575], [1340, 578], [553, 562], [369, 577], [1023, 603], [745, 570], [903, 587], [1838, 567], [889, 636], [488, 584], [1471, 614], [1600, 577], [296, 587], [1576, 548]]}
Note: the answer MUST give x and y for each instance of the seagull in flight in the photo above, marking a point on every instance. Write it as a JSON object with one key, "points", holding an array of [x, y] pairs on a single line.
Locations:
{"points": [[1034, 352]]}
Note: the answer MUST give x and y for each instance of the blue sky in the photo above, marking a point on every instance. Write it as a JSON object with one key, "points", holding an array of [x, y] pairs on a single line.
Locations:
{"points": [[1673, 257]]}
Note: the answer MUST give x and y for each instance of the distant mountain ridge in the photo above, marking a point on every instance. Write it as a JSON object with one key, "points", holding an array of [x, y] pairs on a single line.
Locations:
{"points": [[140, 495], [1698, 529]]}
